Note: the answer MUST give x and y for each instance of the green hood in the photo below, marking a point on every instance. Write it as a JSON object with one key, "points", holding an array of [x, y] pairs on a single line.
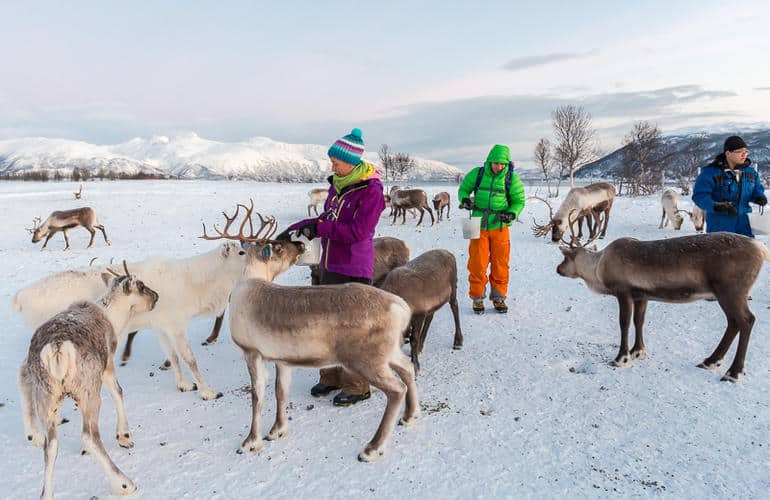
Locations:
{"points": [[499, 154]]}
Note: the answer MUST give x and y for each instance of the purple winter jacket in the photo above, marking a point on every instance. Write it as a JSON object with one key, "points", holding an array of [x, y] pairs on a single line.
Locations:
{"points": [[347, 225]]}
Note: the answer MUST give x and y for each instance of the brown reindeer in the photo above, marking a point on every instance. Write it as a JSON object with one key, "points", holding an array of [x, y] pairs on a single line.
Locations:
{"points": [[402, 200], [440, 202], [71, 355], [355, 326], [67, 219], [426, 283], [79, 192], [716, 265], [389, 253], [589, 202]]}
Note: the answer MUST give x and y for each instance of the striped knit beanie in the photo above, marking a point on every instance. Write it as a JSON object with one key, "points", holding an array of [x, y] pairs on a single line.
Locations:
{"points": [[349, 149]]}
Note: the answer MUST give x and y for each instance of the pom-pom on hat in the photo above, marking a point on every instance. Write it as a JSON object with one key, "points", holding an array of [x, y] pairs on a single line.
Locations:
{"points": [[349, 149]]}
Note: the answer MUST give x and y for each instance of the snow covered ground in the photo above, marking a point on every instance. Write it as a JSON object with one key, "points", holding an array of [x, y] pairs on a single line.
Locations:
{"points": [[529, 407]]}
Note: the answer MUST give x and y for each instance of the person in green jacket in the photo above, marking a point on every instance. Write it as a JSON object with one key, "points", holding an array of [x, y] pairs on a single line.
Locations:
{"points": [[499, 200]]}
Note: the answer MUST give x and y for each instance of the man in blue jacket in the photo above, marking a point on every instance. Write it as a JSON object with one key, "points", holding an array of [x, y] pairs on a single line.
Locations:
{"points": [[725, 187]]}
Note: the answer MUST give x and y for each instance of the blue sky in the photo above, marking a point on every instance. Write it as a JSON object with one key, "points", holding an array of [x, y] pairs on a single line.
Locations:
{"points": [[444, 80]]}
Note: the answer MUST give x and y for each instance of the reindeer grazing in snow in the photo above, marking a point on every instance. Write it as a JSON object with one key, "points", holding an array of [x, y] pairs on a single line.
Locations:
{"points": [[72, 354], [668, 201], [402, 200], [66, 219], [317, 195], [698, 218], [684, 269], [440, 202], [588, 202], [313, 327]]}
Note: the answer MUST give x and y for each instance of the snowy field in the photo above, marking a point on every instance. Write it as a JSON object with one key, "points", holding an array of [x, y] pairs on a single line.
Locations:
{"points": [[529, 408]]}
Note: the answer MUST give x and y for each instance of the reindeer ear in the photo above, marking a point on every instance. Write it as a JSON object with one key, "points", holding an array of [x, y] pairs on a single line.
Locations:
{"points": [[106, 277]]}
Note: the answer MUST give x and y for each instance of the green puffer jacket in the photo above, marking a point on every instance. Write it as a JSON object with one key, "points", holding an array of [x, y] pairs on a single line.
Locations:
{"points": [[491, 192]]}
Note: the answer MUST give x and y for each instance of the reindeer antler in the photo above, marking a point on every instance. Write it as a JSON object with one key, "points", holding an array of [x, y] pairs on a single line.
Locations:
{"points": [[574, 241], [35, 224], [542, 229], [265, 223]]}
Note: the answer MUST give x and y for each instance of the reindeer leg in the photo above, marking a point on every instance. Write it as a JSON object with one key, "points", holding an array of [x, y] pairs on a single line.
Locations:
{"points": [[100, 227], [403, 215], [447, 212], [315, 209], [92, 442], [258, 376], [108, 379], [626, 305], [458, 341], [382, 378], [430, 212], [715, 360], [127, 349], [91, 241], [745, 324], [415, 329], [215, 331], [46, 241], [401, 365], [66, 240], [640, 308], [282, 380], [422, 214], [168, 348], [50, 451], [424, 332], [663, 218], [183, 347], [308, 210], [604, 223]]}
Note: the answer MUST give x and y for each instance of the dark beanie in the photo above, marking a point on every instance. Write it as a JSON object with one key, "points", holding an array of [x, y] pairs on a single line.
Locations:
{"points": [[734, 142]]}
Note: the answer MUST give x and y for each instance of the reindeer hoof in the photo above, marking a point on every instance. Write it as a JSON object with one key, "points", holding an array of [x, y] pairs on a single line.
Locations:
{"points": [[710, 366], [125, 441], [275, 435], [250, 445], [457, 347], [371, 455], [408, 421], [640, 354], [208, 394], [730, 377], [36, 439], [123, 486], [185, 386], [165, 366], [621, 361]]}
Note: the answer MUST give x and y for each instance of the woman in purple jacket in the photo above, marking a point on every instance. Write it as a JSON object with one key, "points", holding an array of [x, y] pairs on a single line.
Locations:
{"points": [[346, 228]]}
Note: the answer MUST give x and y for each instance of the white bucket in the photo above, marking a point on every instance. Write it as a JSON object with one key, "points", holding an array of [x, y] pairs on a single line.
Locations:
{"points": [[312, 253], [471, 228], [760, 223]]}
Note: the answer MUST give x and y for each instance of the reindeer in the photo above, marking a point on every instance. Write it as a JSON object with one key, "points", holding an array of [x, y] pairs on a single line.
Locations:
{"points": [[720, 265], [590, 202], [314, 327], [79, 192], [668, 200], [72, 354], [697, 217], [402, 200], [389, 253], [426, 283], [440, 202], [66, 219], [317, 195]]}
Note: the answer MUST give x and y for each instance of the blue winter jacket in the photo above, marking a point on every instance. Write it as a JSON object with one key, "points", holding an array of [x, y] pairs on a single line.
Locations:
{"points": [[717, 183]]}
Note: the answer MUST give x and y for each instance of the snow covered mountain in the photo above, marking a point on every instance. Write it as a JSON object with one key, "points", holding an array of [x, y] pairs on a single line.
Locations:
{"points": [[189, 156], [612, 165]]}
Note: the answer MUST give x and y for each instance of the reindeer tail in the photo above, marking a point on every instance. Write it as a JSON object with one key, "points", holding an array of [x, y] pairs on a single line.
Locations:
{"points": [[59, 360]]}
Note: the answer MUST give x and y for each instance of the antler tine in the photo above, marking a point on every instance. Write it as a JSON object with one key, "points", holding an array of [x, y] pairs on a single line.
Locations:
{"points": [[268, 223], [231, 219], [541, 229], [113, 272], [550, 208], [222, 234], [246, 219], [125, 268]]}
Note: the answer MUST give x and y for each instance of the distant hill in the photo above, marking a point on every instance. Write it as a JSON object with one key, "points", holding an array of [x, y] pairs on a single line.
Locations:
{"points": [[612, 165], [189, 156]]}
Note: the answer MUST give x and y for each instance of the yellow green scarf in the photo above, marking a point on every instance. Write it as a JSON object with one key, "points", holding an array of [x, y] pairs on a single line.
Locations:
{"points": [[362, 171]]}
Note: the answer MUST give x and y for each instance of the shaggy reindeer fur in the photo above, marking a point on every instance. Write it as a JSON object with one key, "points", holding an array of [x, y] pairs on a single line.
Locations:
{"points": [[354, 326], [192, 287], [71, 354], [426, 283], [716, 265]]}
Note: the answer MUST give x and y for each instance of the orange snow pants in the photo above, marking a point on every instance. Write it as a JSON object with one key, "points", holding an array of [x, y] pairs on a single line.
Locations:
{"points": [[493, 247]]}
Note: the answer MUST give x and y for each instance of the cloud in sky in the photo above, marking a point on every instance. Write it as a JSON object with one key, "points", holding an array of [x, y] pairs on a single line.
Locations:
{"points": [[525, 62]]}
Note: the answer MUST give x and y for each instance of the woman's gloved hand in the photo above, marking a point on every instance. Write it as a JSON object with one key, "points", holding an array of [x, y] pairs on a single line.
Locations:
{"points": [[726, 207]]}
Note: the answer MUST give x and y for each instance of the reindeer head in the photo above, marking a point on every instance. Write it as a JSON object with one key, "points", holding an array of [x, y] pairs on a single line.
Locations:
{"points": [[265, 258], [573, 252], [141, 298], [556, 227], [38, 230]]}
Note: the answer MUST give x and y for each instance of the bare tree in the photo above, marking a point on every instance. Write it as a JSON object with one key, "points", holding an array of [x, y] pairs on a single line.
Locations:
{"points": [[386, 159], [643, 156], [691, 158], [396, 165], [575, 138], [544, 159]]}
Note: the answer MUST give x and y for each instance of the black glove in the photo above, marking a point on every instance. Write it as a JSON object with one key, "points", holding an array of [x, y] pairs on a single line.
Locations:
{"points": [[285, 235], [507, 217], [725, 206], [465, 204], [309, 231], [761, 200]]}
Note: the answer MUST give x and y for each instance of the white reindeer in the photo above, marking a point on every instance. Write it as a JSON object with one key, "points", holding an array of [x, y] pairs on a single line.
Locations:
{"points": [[668, 201], [314, 327], [72, 354], [588, 202], [192, 287], [317, 195]]}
